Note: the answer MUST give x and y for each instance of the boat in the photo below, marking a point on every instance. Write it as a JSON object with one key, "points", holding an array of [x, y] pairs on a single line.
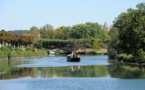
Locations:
{"points": [[51, 53], [73, 58]]}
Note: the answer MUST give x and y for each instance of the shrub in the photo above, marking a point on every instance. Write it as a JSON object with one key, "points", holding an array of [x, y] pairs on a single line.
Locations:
{"points": [[6, 48], [112, 53], [122, 56], [125, 57], [30, 49], [140, 55], [40, 45], [18, 49]]}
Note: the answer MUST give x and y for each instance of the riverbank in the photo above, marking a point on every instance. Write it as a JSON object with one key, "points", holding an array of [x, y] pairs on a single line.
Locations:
{"points": [[87, 51], [129, 63], [34, 52], [16, 54], [134, 63]]}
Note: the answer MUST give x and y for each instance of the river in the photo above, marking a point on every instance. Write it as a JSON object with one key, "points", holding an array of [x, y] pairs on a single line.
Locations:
{"points": [[55, 73]]}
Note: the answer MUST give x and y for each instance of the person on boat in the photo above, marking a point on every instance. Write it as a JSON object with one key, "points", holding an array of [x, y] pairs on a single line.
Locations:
{"points": [[72, 54]]}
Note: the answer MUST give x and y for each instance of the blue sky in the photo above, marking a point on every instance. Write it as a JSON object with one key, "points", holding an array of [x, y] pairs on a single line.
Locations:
{"points": [[23, 14]]}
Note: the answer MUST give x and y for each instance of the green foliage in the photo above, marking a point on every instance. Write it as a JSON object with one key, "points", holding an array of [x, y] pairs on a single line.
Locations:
{"points": [[18, 49], [141, 7], [62, 32], [124, 56], [70, 34], [131, 30], [47, 32], [18, 53], [30, 49], [140, 55], [19, 31], [96, 44], [131, 33], [60, 52], [112, 53], [67, 45], [113, 33], [39, 45], [104, 38], [35, 33], [6, 49], [112, 46], [87, 30], [15, 40], [78, 31]]}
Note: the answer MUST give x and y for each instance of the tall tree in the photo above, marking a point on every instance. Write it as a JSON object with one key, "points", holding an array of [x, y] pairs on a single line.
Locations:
{"points": [[34, 32], [47, 31], [62, 32], [131, 31], [96, 44], [104, 38], [112, 46], [87, 30], [47, 27]]}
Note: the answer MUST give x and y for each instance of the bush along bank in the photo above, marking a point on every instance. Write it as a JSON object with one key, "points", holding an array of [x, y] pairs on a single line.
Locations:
{"points": [[81, 52], [12, 53], [127, 36]]}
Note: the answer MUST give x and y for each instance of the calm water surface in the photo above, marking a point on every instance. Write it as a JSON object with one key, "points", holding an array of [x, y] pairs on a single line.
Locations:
{"points": [[55, 73]]}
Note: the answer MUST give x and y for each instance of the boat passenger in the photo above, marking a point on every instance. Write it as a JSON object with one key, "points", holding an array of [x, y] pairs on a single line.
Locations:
{"points": [[72, 54]]}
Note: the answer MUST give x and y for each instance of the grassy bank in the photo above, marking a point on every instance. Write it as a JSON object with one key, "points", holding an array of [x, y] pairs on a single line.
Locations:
{"points": [[6, 52], [87, 51]]}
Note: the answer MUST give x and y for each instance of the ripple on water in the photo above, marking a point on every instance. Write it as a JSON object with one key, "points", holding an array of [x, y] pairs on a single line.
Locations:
{"points": [[61, 61], [73, 84]]}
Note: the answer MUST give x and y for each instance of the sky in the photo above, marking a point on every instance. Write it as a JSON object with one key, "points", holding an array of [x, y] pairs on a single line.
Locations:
{"points": [[23, 14]]}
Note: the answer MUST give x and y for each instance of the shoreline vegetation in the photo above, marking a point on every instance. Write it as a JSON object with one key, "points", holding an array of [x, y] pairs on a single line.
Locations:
{"points": [[7, 53], [87, 51], [128, 63], [128, 37], [123, 41], [84, 39], [30, 52]]}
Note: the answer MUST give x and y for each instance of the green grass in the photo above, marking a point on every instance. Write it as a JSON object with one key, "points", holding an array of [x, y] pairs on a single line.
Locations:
{"points": [[24, 53]]}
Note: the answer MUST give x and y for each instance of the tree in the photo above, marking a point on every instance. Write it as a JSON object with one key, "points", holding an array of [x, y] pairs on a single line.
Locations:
{"points": [[47, 31], [34, 32], [112, 45], [131, 31], [96, 44], [62, 32], [14, 40], [104, 38], [47, 27], [87, 30]]}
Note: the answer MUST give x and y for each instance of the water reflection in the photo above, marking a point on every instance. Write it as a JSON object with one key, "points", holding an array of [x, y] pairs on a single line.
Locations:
{"points": [[44, 72], [119, 70], [73, 71], [75, 68], [8, 70]]}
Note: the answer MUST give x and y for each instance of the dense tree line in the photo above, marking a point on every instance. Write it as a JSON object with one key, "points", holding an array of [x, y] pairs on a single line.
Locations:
{"points": [[67, 45], [88, 35], [128, 39], [14, 40], [78, 31], [87, 31], [18, 31]]}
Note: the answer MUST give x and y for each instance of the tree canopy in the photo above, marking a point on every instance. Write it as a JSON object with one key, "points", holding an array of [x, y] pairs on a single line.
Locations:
{"points": [[15, 40], [131, 32], [87, 31]]}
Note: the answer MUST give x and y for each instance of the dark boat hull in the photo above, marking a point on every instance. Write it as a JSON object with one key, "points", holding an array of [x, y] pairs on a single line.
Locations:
{"points": [[73, 59]]}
